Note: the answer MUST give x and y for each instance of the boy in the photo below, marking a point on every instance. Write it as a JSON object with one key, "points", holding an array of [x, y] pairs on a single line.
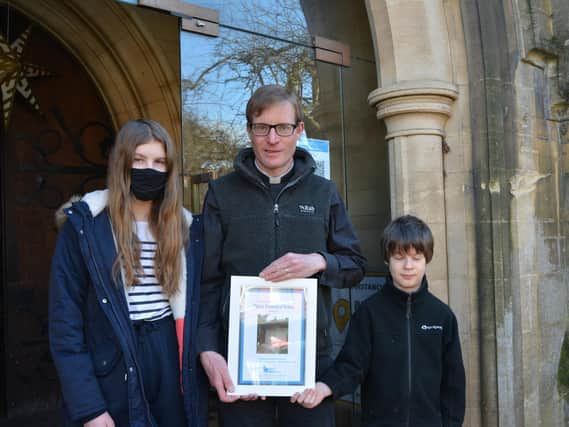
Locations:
{"points": [[402, 345]]}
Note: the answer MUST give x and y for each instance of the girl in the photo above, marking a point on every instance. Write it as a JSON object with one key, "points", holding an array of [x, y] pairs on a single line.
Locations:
{"points": [[125, 275]]}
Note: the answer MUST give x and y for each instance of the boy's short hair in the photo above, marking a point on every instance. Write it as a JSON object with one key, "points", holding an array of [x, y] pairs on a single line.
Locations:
{"points": [[269, 95], [407, 232]]}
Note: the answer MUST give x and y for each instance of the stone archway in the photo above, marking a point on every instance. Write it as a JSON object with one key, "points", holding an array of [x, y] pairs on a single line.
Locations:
{"points": [[127, 59], [137, 74], [423, 97]]}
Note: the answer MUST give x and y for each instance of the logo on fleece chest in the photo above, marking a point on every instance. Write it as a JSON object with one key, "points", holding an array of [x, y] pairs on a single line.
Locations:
{"points": [[305, 209]]}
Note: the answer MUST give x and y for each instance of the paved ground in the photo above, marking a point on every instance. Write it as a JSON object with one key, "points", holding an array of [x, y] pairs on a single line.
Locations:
{"points": [[44, 419], [346, 416]]}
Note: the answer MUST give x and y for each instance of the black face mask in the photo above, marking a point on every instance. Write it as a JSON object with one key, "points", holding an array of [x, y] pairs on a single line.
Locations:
{"points": [[147, 184]]}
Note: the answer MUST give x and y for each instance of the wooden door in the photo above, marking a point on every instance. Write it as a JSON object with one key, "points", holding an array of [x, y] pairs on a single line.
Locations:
{"points": [[55, 143]]}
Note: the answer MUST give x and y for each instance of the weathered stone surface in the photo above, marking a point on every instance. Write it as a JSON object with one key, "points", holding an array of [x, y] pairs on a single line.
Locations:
{"points": [[510, 191]]}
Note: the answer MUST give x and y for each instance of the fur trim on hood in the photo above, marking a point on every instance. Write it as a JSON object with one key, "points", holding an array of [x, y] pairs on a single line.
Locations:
{"points": [[97, 201], [60, 216]]}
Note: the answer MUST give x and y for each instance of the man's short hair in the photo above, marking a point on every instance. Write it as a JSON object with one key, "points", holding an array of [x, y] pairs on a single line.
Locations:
{"points": [[269, 95], [407, 232]]}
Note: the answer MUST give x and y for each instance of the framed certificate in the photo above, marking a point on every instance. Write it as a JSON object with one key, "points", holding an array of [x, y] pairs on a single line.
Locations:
{"points": [[272, 336]]}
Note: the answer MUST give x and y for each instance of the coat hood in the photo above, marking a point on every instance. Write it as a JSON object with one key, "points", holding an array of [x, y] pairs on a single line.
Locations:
{"points": [[96, 201], [244, 163]]}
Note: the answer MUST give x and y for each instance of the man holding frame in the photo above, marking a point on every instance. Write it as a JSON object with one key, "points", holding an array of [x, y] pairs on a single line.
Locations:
{"points": [[272, 217], [272, 336]]}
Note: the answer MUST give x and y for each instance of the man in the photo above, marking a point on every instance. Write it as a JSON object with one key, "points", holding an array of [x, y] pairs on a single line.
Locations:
{"points": [[274, 218]]}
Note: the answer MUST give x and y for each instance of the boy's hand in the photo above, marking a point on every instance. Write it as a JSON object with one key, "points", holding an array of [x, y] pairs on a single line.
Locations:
{"points": [[311, 397]]}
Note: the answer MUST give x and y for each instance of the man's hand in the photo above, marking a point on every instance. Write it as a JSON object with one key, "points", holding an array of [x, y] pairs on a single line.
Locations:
{"points": [[103, 420], [293, 266], [311, 397], [216, 369]]}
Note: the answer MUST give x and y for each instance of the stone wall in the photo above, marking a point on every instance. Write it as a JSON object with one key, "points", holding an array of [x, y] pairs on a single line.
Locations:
{"points": [[423, 98], [518, 113], [474, 96]]}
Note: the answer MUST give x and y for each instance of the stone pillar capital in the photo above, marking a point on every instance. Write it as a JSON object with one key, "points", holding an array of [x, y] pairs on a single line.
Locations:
{"points": [[414, 108]]}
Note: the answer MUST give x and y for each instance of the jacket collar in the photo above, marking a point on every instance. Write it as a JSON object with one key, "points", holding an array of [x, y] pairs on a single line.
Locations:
{"points": [[401, 296], [244, 164], [97, 201]]}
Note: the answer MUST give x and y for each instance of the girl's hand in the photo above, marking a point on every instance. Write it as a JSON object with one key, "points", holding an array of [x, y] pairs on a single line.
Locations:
{"points": [[103, 420]]}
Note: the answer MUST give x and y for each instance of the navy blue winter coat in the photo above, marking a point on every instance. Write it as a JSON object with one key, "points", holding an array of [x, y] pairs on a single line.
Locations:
{"points": [[91, 338]]}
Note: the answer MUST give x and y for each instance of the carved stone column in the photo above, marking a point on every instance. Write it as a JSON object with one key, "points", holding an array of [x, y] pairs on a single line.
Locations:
{"points": [[415, 114]]}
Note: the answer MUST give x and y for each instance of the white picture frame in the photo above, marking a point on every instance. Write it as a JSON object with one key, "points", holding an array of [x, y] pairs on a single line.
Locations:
{"points": [[272, 336]]}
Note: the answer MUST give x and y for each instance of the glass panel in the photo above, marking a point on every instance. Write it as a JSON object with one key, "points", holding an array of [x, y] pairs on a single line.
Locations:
{"points": [[220, 74], [265, 42], [325, 120], [282, 19], [218, 77], [367, 163]]}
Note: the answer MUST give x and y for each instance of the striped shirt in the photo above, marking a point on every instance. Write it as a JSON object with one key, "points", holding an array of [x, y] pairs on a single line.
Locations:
{"points": [[146, 299]]}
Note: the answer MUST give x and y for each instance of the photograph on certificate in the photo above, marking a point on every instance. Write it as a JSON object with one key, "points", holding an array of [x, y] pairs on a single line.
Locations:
{"points": [[272, 335]]}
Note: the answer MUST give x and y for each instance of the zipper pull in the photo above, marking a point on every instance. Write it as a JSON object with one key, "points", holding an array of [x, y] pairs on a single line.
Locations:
{"points": [[408, 314], [276, 213]]}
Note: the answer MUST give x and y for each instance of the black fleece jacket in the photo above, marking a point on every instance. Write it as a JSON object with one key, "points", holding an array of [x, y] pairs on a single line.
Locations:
{"points": [[404, 350], [247, 227]]}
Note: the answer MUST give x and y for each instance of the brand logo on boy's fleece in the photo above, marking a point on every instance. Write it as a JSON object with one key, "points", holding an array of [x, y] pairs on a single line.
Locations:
{"points": [[431, 327], [306, 209]]}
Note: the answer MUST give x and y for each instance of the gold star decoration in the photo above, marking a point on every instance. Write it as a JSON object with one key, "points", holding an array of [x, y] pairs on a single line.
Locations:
{"points": [[14, 74]]}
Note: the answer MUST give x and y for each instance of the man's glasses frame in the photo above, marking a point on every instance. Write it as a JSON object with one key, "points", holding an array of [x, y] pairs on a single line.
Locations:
{"points": [[263, 129]]}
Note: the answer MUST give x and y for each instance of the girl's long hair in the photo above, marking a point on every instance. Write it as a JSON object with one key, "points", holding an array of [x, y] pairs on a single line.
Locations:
{"points": [[166, 221]]}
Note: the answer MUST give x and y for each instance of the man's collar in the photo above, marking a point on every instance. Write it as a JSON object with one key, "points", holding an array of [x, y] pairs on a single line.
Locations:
{"points": [[274, 179]]}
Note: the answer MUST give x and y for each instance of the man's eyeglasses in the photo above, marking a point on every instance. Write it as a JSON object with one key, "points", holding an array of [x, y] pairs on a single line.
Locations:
{"points": [[263, 129]]}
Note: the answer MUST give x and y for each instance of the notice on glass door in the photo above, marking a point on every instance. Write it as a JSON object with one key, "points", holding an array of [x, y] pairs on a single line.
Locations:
{"points": [[320, 151]]}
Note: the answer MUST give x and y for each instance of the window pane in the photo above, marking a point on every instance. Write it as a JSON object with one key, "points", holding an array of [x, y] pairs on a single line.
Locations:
{"points": [[366, 158], [218, 77]]}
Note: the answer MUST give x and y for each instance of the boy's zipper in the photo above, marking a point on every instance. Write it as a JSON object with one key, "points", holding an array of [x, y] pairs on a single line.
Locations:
{"points": [[408, 317]]}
